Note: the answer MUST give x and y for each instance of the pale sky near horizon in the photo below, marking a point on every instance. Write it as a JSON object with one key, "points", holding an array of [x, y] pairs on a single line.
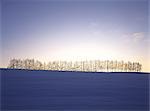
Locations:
{"points": [[50, 30]]}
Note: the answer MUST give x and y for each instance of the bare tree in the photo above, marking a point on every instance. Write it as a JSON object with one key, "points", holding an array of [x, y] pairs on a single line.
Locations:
{"points": [[94, 66]]}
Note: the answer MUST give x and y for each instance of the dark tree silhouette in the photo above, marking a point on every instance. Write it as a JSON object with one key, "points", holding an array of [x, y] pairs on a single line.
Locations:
{"points": [[92, 65]]}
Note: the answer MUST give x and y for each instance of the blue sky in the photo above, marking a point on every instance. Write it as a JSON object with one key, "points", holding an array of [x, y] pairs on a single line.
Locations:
{"points": [[73, 30]]}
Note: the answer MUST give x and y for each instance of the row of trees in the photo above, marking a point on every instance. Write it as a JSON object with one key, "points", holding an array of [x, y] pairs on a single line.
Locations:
{"points": [[87, 66]]}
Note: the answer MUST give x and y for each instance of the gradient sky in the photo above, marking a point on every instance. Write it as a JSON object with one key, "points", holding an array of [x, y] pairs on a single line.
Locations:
{"points": [[75, 30]]}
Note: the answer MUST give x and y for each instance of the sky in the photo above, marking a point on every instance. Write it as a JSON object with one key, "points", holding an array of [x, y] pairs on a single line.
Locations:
{"points": [[49, 30]]}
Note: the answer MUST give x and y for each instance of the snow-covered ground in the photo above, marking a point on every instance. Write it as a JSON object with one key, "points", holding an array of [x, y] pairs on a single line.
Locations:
{"points": [[53, 90]]}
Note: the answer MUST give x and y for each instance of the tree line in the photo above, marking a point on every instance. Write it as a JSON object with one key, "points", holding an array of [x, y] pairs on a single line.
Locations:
{"points": [[87, 66]]}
